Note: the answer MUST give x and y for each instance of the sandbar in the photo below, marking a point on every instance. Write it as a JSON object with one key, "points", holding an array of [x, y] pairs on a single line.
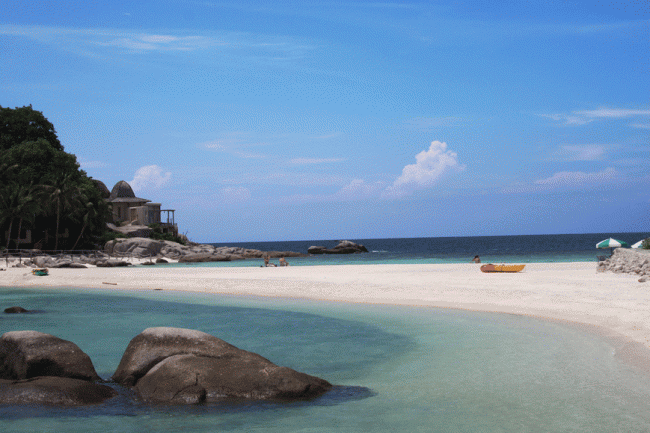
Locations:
{"points": [[615, 305]]}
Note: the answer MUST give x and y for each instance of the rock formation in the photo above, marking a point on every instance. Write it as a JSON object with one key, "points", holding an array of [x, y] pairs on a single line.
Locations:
{"points": [[16, 310], [145, 247], [41, 368], [344, 247], [174, 365], [629, 261]]}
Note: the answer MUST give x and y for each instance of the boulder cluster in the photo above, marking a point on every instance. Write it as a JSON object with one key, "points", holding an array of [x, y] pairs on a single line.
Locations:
{"points": [[344, 247], [628, 261], [145, 247], [160, 251], [160, 365]]}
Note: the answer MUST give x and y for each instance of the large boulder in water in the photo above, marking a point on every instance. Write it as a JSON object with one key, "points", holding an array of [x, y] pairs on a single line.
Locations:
{"points": [[37, 368], [185, 366], [344, 247], [50, 390], [28, 354]]}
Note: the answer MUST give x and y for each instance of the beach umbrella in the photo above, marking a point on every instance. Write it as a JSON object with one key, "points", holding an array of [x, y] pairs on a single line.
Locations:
{"points": [[638, 244], [611, 243]]}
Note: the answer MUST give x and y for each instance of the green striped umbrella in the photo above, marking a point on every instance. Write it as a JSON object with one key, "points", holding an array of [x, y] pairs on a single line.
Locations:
{"points": [[611, 243]]}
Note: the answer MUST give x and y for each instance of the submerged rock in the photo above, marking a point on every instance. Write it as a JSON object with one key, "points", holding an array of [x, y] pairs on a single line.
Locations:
{"points": [[184, 366]]}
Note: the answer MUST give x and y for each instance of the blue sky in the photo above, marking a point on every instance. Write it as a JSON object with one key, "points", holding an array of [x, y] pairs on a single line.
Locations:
{"points": [[285, 120]]}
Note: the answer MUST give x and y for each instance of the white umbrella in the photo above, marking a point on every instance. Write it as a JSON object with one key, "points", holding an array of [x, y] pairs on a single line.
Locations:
{"points": [[638, 244]]}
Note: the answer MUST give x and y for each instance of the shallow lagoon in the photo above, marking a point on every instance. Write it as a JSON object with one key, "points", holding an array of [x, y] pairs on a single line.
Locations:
{"points": [[407, 369]]}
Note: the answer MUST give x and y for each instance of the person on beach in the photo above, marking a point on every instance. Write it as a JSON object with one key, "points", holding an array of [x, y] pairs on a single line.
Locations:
{"points": [[476, 259], [283, 262], [267, 263]]}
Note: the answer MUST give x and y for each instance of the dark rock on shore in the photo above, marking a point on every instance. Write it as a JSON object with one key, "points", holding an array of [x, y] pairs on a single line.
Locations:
{"points": [[344, 247], [184, 366]]}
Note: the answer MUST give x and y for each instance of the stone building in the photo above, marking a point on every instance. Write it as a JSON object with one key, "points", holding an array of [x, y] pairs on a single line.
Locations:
{"points": [[135, 211]]}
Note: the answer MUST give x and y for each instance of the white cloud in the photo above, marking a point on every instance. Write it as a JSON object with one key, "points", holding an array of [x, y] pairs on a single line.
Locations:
{"points": [[584, 117], [587, 152], [235, 194], [358, 189], [150, 176], [302, 161], [613, 113], [567, 119], [429, 167], [577, 178]]}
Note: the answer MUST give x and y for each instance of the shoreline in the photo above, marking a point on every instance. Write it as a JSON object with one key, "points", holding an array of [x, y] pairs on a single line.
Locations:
{"points": [[614, 306]]}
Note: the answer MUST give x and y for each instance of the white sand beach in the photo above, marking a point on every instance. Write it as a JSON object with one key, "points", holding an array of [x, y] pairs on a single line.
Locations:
{"points": [[615, 305]]}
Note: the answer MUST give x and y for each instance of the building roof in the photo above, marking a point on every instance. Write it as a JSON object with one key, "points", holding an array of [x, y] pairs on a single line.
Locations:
{"points": [[123, 193]]}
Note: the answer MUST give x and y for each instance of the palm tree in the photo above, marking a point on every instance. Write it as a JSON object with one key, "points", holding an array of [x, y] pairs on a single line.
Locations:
{"points": [[64, 194], [20, 202], [88, 215]]}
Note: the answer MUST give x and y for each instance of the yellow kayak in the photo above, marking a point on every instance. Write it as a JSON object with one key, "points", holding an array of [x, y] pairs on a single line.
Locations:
{"points": [[502, 268]]}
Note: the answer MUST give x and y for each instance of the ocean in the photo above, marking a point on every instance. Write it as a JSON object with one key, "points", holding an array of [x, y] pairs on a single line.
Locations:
{"points": [[491, 249], [395, 368]]}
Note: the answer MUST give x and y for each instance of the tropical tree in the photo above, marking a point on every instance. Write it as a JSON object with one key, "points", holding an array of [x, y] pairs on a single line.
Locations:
{"points": [[63, 194], [32, 156], [19, 202], [22, 124]]}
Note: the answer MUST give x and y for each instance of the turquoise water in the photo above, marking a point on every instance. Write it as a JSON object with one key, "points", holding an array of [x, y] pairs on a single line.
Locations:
{"points": [[396, 369]]}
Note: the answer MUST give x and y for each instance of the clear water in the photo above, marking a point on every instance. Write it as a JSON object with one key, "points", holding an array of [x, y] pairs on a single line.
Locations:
{"points": [[491, 249], [397, 369]]}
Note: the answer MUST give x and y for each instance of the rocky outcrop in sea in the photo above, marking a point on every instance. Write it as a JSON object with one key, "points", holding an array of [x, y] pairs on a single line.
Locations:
{"points": [[160, 365], [628, 261], [184, 366], [344, 247], [38, 368]]}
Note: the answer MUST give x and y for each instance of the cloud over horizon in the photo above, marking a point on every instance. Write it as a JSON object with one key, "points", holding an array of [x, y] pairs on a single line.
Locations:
{"points": [[149, 176], [577, 178], [430, 166]]}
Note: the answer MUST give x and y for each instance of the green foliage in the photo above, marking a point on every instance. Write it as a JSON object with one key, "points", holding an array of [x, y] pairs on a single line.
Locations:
{"points": [[42, 187], [23, 124], [646, 244]]}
